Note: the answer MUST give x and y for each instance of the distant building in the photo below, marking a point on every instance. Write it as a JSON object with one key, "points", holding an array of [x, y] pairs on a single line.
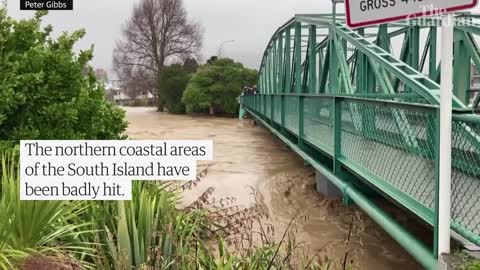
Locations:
{"points": [[115, 92]]}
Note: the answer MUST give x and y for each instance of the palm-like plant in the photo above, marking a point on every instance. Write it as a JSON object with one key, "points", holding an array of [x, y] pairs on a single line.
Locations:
{"points": [[149, 232], [31, 228], [148, 228]]}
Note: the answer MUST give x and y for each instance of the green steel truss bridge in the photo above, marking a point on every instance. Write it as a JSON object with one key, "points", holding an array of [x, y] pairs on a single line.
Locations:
{"points": [[361, 106]]}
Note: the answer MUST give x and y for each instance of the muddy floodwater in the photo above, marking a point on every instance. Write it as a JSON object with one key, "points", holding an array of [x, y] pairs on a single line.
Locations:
{"points": [[248, 156]]}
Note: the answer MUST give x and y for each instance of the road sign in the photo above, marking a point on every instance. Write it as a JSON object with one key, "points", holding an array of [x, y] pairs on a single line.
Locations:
{"points": [[368, 12]]}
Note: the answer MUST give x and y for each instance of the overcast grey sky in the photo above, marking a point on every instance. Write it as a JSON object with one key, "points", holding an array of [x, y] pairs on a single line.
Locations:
{"points": [[249, 22]]}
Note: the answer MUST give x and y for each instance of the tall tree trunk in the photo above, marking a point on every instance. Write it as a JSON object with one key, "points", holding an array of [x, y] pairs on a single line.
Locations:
{"points": [[212, 110]]}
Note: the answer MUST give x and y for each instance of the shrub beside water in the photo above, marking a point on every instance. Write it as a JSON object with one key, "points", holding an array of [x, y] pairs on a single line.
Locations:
{"points": [[46, 90]]}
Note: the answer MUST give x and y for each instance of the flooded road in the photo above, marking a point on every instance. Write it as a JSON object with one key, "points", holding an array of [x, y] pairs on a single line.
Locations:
{"points": [[247, 156]]}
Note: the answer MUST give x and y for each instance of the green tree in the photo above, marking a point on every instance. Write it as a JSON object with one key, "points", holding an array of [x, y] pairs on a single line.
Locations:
{"points": [[190, 65], [173, 83], [216, 85], [44, 92]]}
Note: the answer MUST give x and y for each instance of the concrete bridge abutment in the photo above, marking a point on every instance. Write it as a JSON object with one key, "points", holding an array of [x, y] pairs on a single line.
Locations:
{"points": [[326, 188]]}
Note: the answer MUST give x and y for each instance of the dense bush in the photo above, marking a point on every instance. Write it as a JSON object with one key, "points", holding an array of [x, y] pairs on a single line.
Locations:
{"points": [[216, 85], [173, 83], [46, 90]]}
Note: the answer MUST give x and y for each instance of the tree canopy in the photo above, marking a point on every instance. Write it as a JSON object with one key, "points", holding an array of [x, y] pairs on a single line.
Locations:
{"points": [[174, 82], [44, 93], [216, 85]]}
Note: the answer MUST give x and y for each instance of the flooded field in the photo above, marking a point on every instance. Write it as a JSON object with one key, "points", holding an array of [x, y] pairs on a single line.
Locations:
{"points": [[248, 156]]}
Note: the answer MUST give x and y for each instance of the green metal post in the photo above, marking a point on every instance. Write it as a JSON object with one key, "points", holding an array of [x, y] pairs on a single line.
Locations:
{"points": [[269, 109], [275, 66], [298, 78], [264, 82], [265, 76], [382, 37], [301, 109], [288, 61], [282, 114], [461, 69], [362, 78], [433, 53], [436, 141], [312, 60], [275, 69], [288, 73], [320, 71], [334, 85], [264, 106], [272, 107], [322, 83], [281, 70], [241, 112], [337, 135], [298, 57], [270, 69], [414, 50], [414, 46]]}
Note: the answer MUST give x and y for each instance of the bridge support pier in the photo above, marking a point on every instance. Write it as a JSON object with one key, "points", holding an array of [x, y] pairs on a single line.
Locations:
{"points": [[241, 112], [326, 188]]}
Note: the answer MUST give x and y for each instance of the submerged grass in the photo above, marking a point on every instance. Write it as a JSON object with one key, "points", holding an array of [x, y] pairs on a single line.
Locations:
{"points": [[150, 232], [461, 260]]}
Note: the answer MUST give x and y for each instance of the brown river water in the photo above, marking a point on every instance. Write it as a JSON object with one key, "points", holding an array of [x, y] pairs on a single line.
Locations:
{"points": [[248, 156]]}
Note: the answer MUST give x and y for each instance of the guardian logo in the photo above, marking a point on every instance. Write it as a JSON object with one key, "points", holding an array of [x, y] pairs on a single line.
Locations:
{"points": [[46, 4]]}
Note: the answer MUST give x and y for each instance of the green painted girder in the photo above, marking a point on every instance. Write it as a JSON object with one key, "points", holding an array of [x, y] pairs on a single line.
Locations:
{"points": [[417, 81], [413, 79]]}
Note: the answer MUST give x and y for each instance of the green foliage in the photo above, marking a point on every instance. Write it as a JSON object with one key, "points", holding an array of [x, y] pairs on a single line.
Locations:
{"points": [[173, 83], [190, 65], [216, 85], [44, 93], [149, 232], [137, 231], [463, 261], [49, 228], [475, 265]]}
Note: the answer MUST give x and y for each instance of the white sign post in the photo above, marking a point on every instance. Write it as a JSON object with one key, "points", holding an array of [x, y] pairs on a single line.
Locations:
{"points": [[368, 12], [445, 170]]}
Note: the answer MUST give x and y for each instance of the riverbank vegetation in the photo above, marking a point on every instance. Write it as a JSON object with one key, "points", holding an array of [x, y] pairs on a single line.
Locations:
{"points": [[153, 231], [48, 92], [462, 260], [216, 85], [173, 83]]}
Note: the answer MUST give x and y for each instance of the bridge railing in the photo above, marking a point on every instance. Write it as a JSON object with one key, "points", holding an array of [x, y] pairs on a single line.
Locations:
{"points": [[391, 146], [466, 176]]}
